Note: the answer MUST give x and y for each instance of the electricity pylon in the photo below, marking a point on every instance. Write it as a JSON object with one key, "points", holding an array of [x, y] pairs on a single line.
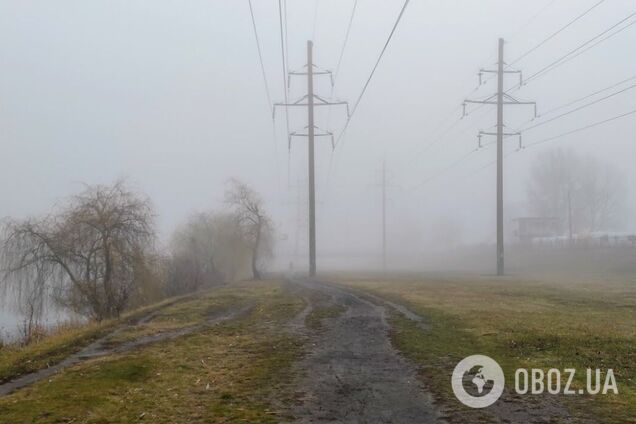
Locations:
{"points": [[502, 98], [311, 100]]}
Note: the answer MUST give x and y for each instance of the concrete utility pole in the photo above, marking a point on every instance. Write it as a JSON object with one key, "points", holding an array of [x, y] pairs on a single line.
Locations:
{"points": [[500, 223], [384, 184], [384, 215], [502, 98], [570, 236], [310, 155], [313, 101]]}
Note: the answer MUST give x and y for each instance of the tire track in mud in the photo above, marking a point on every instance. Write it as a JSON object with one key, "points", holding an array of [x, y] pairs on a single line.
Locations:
{"points": [[102, 347], [353, 374], [335, 370]]}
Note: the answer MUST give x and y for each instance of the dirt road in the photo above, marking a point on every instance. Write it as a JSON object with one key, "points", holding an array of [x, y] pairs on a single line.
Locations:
{"points": [[352, 373], [278, 351]]}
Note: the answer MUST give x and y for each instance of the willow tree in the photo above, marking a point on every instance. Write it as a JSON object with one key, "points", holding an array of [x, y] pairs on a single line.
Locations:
{"points": [[87, 254]]}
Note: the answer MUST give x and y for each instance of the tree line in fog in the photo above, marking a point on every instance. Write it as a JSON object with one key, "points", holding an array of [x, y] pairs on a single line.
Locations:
{"points": [[581, 192], [97, 254]]}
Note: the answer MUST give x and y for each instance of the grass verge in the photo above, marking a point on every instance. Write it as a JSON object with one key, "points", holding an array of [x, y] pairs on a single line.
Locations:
{"points": [[230, 372], [16, 360], [549, 324]]}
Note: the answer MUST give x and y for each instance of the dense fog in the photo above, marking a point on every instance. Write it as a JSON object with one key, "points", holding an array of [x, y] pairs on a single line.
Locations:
{"points": [[170, 97]]}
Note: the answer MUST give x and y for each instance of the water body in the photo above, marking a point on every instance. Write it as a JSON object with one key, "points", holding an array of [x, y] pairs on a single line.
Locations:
{"points": [[8, 322], [11, 320]]}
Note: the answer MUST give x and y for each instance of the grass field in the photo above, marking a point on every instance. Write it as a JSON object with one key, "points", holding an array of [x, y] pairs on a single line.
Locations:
{"points": [[242, 369], [228, 372], [552, 323]]}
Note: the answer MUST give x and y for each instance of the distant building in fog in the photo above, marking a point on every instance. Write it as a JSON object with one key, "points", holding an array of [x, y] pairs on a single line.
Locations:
{"points": [[530, 228], [547, 232]]}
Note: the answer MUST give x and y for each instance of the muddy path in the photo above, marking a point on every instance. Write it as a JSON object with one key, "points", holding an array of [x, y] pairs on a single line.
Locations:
{"points": [[352, 373], [103, 346]]}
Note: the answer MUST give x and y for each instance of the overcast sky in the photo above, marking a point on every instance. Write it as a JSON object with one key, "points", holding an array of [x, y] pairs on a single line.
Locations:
{"points": [[169, 94]]}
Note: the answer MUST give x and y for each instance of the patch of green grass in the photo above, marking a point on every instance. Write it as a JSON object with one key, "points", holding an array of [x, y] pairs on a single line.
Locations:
{"points": [[314, 319], [131, 371], [16, 360], [230, 372], [90, 387], [519, 323]]}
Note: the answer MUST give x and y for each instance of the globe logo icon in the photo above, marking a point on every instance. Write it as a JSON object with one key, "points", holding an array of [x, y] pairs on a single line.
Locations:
{"points": [[477, 381]]}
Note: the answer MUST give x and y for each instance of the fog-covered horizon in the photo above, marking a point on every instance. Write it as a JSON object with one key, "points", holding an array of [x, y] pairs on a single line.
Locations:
{"points": [[169, 95]]}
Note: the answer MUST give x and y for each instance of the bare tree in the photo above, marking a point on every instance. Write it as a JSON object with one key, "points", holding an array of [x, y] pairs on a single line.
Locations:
{"points": [[247, 205], [192, 262], [578, 190], [232, 249], [208, 250], [87, 253]]}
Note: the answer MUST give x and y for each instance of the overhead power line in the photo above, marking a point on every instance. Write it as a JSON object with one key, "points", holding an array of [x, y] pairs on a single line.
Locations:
{"points": [[445, 129], [480, 169], [571, 54], [532, 18], [614, 118], [545, 140], [283, 31], [435, 140], [335, 80], [267, 93], [566, 60], [442, 128], [486, 166], [346, 39], [415, 155], [260, 56], [377, 62], [286, 29], [578, 108], [563, 28], [444, 170], [342, 50], [580, 99], [587, 96], [491, 163]]}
